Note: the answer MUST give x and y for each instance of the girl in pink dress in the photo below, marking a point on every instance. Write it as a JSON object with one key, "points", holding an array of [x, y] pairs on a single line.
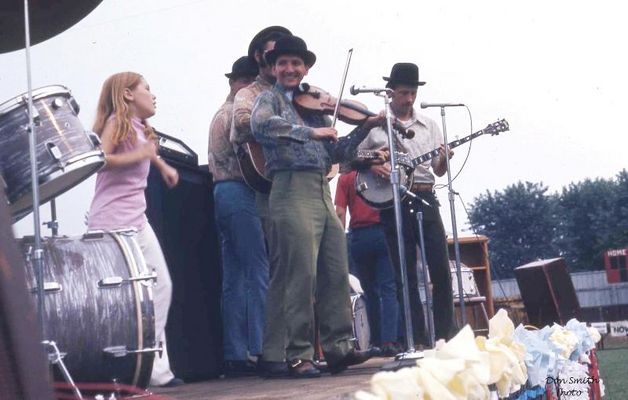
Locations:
{"points": [[128, 142]]}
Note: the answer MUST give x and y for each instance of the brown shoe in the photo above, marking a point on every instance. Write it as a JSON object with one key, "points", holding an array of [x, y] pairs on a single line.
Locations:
{"points": [[353, 357], [303, 369]]}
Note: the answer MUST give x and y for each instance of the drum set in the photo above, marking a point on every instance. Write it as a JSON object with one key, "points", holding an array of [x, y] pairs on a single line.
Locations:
{"points": [[98, 307], [94, 292]]}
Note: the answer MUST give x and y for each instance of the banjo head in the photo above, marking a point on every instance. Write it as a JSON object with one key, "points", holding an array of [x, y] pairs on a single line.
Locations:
{"points": [[376, 191]]}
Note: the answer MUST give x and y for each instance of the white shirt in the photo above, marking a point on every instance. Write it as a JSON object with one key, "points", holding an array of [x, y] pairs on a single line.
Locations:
{"points": [[427, 137]]}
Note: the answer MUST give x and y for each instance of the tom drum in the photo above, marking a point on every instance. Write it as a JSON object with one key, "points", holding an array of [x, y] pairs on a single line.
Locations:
{"points": [[66, 153]]}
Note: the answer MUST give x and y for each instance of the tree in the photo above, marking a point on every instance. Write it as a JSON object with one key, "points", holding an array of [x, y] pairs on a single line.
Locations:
{"points": [[521, 223], [524, 223], [594, 219]]}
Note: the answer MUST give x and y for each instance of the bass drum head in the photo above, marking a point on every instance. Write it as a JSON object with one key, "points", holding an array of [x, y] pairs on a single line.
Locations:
{"points": [[97, 316], [361, 328]]}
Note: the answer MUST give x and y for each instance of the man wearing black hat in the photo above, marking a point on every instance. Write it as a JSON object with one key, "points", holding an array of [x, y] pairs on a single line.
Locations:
{"points": [[273, 362], [244, 260], [311, 247], [404, 81]]}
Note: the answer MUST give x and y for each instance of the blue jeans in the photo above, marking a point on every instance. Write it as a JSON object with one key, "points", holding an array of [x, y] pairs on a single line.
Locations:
{"points": [[370, 254], [244, 269]]}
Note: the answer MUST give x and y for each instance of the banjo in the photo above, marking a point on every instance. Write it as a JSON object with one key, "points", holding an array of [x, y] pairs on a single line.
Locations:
{"points": [[377, 192]]}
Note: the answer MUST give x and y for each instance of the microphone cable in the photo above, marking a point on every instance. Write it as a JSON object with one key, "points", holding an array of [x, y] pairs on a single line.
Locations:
{"points": [[466, 158]]}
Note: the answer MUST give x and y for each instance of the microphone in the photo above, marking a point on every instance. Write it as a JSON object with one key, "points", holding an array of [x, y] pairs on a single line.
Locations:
{"points": [[354, 90], [409, 134], [426, 105]]}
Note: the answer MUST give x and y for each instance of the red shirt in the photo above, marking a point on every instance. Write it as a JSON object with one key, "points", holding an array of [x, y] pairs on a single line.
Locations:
{"points": [[362, 214]]}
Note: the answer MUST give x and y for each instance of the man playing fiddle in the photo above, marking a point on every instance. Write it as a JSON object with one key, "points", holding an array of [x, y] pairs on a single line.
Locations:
{"points": [[312, 255]]}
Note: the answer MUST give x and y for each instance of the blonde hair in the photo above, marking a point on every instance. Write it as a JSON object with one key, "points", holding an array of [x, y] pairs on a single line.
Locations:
{"points": [[113, 103]]}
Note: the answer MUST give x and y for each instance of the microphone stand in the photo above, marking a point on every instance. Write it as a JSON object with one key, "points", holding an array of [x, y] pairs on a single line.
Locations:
{"points": [[429, 309], [53, 224], [37, 258], [407, 359], [32, 138], [454, 226]]}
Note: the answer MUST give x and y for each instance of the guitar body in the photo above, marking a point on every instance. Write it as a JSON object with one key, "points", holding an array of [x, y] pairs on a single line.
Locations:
{"points": [[251, 160]]}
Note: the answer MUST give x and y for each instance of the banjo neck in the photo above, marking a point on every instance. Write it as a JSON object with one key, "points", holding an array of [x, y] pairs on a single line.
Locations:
{"points": [[492, 129]]}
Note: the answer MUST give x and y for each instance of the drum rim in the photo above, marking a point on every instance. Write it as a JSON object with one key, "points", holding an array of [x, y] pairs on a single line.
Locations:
{"points": [[83, 161], [354, 300], [39, 93], [131, 248]]}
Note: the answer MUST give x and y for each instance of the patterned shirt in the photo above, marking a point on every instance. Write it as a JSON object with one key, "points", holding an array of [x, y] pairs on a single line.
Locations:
{"points": [[221, 157], [427, 137], [242, 107], [286, 135]]}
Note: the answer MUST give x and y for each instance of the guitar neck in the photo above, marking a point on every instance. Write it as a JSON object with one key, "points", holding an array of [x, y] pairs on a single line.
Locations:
{"points": [[428, 156]]}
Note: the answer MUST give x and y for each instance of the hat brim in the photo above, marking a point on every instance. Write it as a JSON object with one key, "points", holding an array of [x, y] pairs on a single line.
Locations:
{"points": [[307, 56], [401, 82], [263, 33], [233, 75]]}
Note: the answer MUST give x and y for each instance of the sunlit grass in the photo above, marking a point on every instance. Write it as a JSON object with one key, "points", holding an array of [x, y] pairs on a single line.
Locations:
{"points": [[613, 362]]}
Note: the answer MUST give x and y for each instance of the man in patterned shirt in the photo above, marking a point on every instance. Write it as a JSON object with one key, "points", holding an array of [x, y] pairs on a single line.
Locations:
{"points": [[272, 363], [311, 247], [244, 259]]}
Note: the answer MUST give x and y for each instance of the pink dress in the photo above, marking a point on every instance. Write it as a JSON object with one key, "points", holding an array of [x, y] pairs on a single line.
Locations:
{"points": [[119, 200]]}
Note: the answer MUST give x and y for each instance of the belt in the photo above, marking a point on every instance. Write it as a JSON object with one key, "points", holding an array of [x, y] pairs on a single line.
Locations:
{"points": [[421, 187]]}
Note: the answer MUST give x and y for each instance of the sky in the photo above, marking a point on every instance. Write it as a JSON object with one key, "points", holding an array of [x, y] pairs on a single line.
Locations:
{"points": [[555, 70]]}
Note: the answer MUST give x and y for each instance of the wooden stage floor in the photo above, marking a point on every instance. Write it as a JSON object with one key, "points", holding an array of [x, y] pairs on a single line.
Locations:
{"points": [[337, 387]]}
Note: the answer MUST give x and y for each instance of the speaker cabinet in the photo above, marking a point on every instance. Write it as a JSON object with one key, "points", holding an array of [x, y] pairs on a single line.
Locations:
{"points": [[547, 292], [183, 220], [23, 366]]}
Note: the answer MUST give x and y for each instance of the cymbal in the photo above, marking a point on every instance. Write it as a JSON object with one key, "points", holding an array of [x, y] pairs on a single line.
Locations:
{"points": [[48, 18]]}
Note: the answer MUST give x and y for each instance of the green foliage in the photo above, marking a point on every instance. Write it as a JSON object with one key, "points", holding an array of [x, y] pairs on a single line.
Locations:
{"points": [[525, 223], [520, 222], [592, 220]]}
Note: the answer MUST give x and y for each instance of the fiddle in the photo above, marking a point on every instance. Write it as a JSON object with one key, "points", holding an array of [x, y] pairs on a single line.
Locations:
{"points": [[312, 99]]}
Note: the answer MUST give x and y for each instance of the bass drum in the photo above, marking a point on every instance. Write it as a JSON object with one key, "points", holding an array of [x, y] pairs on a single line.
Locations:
{"points": [[66, 153], [98, 305], [361, 328]]}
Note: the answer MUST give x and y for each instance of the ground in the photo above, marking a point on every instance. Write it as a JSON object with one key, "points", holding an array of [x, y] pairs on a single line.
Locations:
{"points": [[338, 387], [613, 361]]}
